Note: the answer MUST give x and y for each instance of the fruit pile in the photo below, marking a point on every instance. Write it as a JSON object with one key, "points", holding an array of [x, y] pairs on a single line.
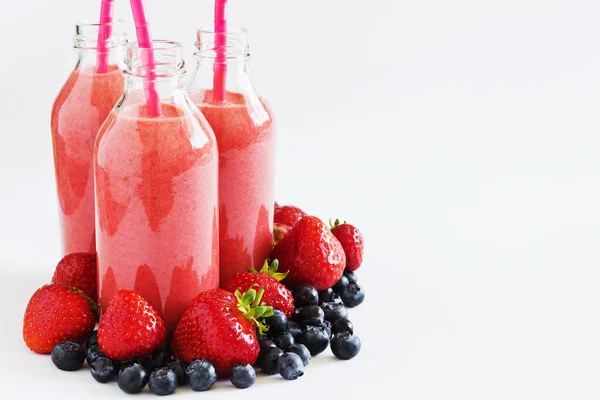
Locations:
{"points": [[274, 319]]}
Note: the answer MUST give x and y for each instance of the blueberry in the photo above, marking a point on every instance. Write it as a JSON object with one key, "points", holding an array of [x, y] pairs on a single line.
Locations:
{"points": [[92, 353], [267, 361], [159, 358], [133, 378], [284, 341], [68, 356], [294, 329], [302, 352], [163, 381], [277, 322], [201, 375], [352, 278], [290, 366], [125, 364], [352, 295], [243, 376], [341, 284], [343, 325], [334, 311], [305, 295], [178, 367], [345, 345], [309, 315], [327, 326], [266, 344], [91, 339], [336, 299], [326, 296], [103, 369], [315, 338]]}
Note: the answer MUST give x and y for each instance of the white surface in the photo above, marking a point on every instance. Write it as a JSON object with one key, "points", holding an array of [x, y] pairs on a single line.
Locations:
{"points": [[461, 137]]}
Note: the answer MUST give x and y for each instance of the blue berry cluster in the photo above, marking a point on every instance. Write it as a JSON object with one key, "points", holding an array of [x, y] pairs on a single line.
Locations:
{"points": [[320, 320]]}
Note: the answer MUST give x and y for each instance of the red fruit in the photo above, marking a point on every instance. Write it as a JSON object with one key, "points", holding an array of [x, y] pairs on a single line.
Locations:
{"points": [[218, 327], [311, 254], [276, 206], [56, 313], [276, 294], [78, 270], [352, 242], [288, 215], [130, 327], [279, 231]]}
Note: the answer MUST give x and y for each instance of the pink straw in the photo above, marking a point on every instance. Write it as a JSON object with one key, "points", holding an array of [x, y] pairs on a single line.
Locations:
{"points": [[104, 32], [220, 66], [142, 30]]}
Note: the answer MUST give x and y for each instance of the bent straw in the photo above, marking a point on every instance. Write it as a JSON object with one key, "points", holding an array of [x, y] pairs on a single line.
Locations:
{"points": [[220, 66], [104, 33], [142, 30]]}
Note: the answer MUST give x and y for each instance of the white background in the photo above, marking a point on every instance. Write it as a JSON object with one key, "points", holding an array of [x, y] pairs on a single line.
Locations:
{"points": [[460, 136]]}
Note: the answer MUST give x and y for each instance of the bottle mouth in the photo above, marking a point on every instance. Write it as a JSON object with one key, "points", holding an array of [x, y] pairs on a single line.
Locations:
{"points": [[234, 42], [168, 59], [87, 35]]}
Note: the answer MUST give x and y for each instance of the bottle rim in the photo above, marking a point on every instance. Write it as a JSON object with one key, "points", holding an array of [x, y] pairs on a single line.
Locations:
{"points": [[86, 35], [236, 42], [168, 56]]}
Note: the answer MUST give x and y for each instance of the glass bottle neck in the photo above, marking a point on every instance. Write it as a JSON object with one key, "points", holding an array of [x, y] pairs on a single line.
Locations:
{"points": [[222, 64], [235, 74], [89, 57], [101, 45], [165, 86], [235, 67], [156, 74]]}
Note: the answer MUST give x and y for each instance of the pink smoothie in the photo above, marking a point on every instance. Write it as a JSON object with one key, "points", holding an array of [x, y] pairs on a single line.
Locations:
{"points": [[246, 138], [156, 188], [79, 110]]}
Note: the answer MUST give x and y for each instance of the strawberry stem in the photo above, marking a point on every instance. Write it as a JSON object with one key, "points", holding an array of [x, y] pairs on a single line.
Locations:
{"points": [[270, 270], [259, 297], [335, 223], [250, 305]]}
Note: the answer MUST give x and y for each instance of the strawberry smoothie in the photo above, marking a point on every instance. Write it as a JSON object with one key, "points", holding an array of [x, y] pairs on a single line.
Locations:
{"points": [[156, 188], [79, 110], [245, 133]]}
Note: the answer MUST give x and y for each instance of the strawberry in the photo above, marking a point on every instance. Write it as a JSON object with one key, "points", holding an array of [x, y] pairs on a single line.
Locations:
{"points": [[279, 231], [78, 270], [130, 327], [288, 215], [219, 326], [352, 242], [311, 254], [54, 314], [276, 294]]}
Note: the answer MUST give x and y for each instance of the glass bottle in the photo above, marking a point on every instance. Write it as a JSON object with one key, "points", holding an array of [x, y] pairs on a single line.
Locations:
{"points": [[80, 108], [157, 191], [245, 131]]}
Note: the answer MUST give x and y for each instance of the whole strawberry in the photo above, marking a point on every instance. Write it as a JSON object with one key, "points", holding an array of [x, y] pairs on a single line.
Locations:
{"points": [[130, 327], [352, 241], [288, 215], [219, 326], [54, 314], [311, 254], [78, 270], [275, 294]]}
